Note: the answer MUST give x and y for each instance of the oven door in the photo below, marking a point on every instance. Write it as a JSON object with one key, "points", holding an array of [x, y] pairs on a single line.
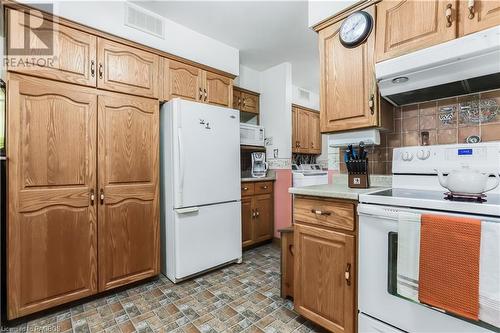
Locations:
{"points": [[377, 263]]}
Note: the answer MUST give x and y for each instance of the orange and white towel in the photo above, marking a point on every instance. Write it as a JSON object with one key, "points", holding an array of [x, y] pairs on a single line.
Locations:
{"points": [[449, 264]]}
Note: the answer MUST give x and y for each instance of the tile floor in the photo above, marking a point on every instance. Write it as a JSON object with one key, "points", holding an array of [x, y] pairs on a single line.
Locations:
{"points": [[237, 298]]}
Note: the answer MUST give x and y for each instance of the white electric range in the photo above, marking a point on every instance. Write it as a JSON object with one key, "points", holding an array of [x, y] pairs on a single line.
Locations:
{"points": [[416, 188]]}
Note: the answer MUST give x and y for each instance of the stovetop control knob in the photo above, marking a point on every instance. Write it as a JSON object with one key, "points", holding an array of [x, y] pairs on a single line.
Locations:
{"points": [[407, 156], [423, 154]]}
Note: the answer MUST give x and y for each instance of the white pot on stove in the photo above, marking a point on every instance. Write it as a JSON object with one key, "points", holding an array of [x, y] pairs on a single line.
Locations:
{"points": [[468, 181]]}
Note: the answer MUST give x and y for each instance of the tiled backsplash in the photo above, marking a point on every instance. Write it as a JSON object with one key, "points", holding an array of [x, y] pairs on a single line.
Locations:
{"points": [[448, 121]]}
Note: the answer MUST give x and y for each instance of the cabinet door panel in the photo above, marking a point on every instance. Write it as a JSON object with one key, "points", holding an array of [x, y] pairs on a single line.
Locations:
{"points": [[347, 82], [321, 290], [52, 221], [184, 81], [247, 221], [73, 56], [128, 178], [264, 220], [126, 69], [485, 14], [249, 102], [408, 25], [295, 137], [219, 89], [236, 99], [314, 133], [303, 131]]}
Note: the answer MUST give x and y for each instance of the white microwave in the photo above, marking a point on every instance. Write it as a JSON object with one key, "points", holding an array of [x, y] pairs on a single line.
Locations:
{"points": [[251, 135]]}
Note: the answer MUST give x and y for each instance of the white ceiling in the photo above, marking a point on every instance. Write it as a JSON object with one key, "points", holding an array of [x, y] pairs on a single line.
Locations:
{"points": [[267, 33]]}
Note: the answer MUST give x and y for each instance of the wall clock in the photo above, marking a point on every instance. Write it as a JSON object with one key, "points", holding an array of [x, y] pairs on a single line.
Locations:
{"points": [[355, 29]]}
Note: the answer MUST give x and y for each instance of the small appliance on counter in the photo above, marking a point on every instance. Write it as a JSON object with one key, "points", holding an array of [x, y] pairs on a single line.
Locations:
{"points": [[308, 175], [357, 166], [259, 164], [251, 135]]}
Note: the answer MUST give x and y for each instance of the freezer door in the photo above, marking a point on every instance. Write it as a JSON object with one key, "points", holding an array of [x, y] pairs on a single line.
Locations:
{"points": [[208, 154], [206, 237]]}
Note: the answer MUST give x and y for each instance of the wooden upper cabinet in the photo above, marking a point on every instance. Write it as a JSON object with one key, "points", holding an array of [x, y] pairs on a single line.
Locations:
{"points": [[52, 226], [73, 57], [184, 81], [314, 133], [236, 99], [324, 281], [127, 69], [128, 147], [218, 89], [478, 15], [348, 90], [408, 25], [249, 102]]}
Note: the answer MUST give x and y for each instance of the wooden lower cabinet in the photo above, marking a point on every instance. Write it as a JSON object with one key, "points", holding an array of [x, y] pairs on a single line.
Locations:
{"points": [[257, 212], [325, 266], [52, 221], [83, 192], [128, 189]]}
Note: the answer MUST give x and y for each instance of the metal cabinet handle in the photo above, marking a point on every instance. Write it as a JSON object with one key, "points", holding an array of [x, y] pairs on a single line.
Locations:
{"points": [[290, 249], [253, 213], [245, 188], [201, 94], [92, 68], [92, 197], [447, 14], [470, 6], [257, 213], [298, 144], [312, 144], [101, 71], [239, 101], [244, 102], [264, 187], [347, 274], [371, 104], [101, 196], [320, 212], [206, 94]]}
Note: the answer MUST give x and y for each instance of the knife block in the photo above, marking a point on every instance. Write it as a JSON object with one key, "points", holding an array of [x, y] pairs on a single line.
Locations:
{"points": [[358, 175]]}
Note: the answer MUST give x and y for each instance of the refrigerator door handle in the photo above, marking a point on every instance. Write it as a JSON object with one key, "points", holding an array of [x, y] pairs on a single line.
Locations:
{"points": [[187, 210], [181, 161]]}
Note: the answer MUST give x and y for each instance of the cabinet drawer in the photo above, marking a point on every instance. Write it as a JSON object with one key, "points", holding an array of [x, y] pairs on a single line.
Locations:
{"points": [[263, 187], [247, 189], [329, 213]]}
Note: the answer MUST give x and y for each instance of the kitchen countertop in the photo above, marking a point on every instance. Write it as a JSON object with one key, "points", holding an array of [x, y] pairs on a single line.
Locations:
{"points": [[271, 176], [339, 189]]}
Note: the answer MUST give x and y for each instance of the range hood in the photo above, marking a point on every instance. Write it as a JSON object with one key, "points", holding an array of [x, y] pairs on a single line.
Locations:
{"points": [[461, 66]]}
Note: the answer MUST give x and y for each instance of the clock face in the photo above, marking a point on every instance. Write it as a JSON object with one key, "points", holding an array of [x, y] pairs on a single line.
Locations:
{"points": [[355, 29]]}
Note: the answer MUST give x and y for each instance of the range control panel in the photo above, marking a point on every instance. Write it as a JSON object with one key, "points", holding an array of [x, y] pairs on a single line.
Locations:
{"points": [[484, 157]]}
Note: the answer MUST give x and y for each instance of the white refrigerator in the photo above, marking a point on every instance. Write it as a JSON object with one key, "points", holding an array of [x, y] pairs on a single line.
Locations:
{"points": [[200, 188]]}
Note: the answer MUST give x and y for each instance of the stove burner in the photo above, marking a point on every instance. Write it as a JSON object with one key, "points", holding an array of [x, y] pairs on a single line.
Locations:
{"points": [[467, 197]]}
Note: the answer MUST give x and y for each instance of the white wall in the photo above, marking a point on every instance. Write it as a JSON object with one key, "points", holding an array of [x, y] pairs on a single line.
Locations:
{"points": [[312, 102], [109, 16], [319, 10], [276, 106], [248, 79]]}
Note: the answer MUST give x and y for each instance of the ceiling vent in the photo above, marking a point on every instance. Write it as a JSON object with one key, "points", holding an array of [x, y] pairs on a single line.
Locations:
{"points": [[144, 20], [304, 94]]}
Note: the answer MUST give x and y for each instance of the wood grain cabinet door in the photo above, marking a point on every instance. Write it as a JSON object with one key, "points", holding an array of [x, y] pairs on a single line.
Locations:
{"points": [[295, 137], [347, 86], [478, 15], [314, 133], [324, 282], [126, 69], [52, 226], [303, 131], [246, 221], [73, 55], [236, 99], [218, 90], [128, 149], [184, 81], [249, 102], [403, 26], [264, 217]]}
